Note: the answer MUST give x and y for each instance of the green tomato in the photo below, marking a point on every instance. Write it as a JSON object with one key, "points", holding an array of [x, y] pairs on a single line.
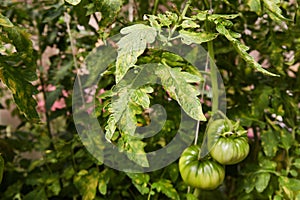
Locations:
{"points": [[232, 145], [200, 173]]}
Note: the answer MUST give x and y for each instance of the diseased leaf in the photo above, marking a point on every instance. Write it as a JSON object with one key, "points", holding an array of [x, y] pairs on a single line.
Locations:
{"points": [[110, 128], [73, 2], [184, 93], [86, 183], [222, 16], [104, 178], [165, 186], [274, 10], [197, 38], [140, 181], [135, 151], [262, 181], [129, 98], [18, 69], [242, 50], [131, 46], [188, 23], [4, 21]]}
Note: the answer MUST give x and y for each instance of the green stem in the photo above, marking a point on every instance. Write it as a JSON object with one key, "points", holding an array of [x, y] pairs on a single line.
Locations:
{"points": [[214, 78], [155, 7], [187, 5], [197, 192], [197, 133]]}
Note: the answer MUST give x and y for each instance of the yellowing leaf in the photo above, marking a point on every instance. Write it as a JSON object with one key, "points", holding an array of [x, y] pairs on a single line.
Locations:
{"points": [[4, 21], [197, 38], [131, 46], [174, 82], [274, 10]]}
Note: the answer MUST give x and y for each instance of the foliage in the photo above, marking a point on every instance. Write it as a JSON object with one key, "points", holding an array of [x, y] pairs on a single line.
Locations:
{"points": [[43, 45]]}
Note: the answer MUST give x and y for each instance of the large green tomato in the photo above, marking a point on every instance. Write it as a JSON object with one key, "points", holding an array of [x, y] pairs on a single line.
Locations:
{"points": [[232, 145], [200, 173]]}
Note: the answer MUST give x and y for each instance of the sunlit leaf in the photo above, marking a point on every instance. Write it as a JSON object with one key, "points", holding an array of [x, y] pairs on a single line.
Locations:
{"points": [[197, 38], [131, 46], [254, 5], [184, 93], [274, 10], [73, 2], [4, 21]]}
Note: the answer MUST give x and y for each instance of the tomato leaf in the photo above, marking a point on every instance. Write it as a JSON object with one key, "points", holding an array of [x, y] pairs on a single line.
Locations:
{"points": [[140, 181], [165, 186], [4, 21], [262, 181], [135, 151], [18, 69], [241, 49], [197, 38], [270, 140], [73, 2], [110, 128], [86, 182], [131, 46], [104, 178], [185, 94], [274, 11], [254, 5], [290, 183]]}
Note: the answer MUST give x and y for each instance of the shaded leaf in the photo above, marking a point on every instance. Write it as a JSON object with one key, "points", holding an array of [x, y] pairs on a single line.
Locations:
{"points": [[131, 46], [290, 183], [197, 38], [165, 186], [135, 151], [269, 143], [86, 183], [140, 181], [242, 50], [262, 181], [184, 93], [104, 178], [38, 193]]}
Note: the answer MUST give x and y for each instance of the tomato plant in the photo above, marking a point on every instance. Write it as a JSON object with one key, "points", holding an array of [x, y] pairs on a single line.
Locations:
{"points": [[232, 145], [200, 173], [44, 45]]}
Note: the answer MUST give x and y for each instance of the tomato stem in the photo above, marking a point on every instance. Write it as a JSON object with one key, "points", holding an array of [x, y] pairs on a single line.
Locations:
{"points": [[197, 192]]}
